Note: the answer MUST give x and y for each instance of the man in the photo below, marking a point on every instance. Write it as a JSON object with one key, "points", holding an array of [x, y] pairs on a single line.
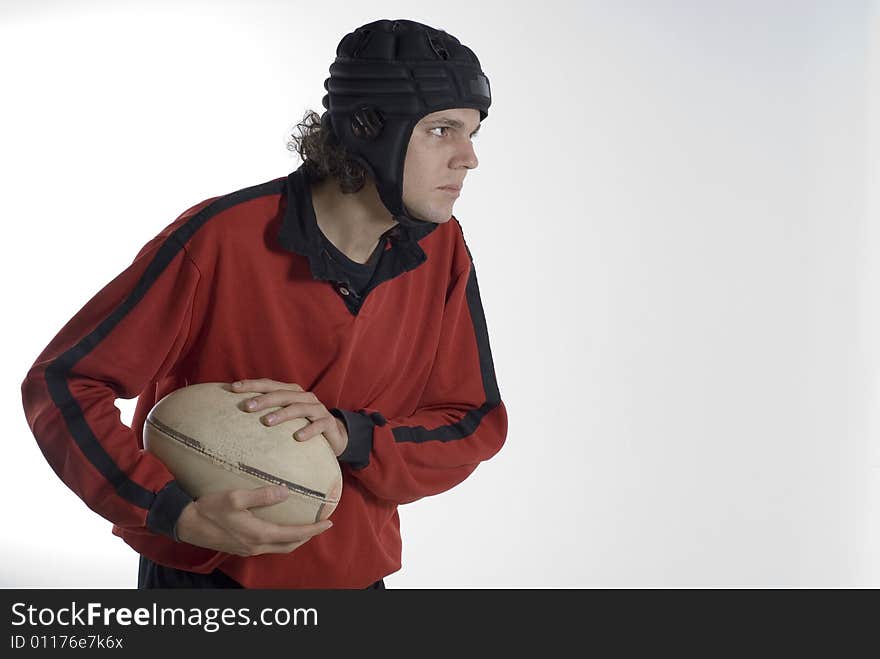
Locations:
{"points": [[343, 293]]}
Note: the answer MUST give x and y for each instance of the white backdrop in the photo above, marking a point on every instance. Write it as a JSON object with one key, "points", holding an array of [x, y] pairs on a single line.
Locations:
{"points": [[674, 225]]}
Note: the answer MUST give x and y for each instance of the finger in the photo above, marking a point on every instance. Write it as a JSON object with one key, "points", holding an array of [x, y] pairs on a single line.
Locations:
{"points": [[284, 534], [264, 385], [278, 398], [323, 425], [243, 499], [264, 532], [256, 384], [310, 411]]}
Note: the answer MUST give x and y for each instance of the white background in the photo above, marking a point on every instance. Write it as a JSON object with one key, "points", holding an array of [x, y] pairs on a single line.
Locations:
{"points": [[674, 225]]}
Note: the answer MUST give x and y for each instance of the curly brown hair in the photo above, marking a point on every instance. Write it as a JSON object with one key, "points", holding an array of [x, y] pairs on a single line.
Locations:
{"points": [[323, 155]]}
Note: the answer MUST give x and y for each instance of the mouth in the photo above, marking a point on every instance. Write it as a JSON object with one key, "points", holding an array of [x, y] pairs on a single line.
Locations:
{"points": [[451, 189]]}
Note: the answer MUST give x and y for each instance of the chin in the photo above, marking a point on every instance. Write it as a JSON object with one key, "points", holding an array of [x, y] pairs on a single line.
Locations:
{"points": [[435, 214]]}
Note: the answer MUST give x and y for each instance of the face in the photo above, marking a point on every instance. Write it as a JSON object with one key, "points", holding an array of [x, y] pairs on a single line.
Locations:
{"points": [[438, 157]]}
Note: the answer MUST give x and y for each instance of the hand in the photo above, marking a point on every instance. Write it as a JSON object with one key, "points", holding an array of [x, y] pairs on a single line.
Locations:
{"points": [[223, 521], [295, 403]]}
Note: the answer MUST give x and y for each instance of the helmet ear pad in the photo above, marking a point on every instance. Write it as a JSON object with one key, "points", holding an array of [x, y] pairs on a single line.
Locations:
{"points": [[387, 146]]}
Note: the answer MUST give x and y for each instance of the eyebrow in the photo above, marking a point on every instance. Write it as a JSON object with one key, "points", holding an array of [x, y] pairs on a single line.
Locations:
{"points": [[452, 123]]}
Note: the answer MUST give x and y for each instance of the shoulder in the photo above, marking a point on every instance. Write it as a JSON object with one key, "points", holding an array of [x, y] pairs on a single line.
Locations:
{"points": [[218, 219]]}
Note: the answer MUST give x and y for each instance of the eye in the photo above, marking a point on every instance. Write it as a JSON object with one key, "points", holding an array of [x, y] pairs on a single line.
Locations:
{"points": [[440, 128]]}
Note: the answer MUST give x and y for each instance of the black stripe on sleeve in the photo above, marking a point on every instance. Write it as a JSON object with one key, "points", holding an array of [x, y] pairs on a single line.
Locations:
{"points": [[468, 424], [57, 372]]}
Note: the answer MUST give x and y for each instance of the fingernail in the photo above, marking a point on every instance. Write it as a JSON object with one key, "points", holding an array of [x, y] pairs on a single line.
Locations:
{"points": [[270, 419], [236, 384], [250, 404]]}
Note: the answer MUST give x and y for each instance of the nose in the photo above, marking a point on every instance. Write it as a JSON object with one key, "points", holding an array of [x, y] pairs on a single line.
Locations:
{"points": [[466, 156]]}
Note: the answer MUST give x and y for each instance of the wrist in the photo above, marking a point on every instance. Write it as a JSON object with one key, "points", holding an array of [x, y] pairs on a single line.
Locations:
{"points": [[184, 521], [343, 434], [166, 509]]}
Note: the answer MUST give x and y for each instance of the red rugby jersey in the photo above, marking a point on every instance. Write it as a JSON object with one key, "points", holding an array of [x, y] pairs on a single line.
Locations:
{"points": [[240, 286]]}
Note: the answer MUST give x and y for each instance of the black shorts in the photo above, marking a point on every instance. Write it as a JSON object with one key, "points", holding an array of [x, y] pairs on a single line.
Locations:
{"points": [[154, 575]]}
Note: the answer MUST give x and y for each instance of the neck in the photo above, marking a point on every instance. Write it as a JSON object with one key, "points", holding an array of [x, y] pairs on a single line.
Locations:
{"points": [[352, 222]]}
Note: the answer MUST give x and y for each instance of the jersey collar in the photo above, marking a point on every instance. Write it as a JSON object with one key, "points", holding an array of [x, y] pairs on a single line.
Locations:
{"points": [[299, 232]]}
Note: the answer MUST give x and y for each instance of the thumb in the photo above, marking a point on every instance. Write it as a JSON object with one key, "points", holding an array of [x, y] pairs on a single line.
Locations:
{"points": [[266, 496]]}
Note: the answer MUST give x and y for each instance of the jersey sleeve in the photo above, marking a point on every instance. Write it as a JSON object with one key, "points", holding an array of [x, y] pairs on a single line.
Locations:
{"points": [[131, 333], [460, 420]]}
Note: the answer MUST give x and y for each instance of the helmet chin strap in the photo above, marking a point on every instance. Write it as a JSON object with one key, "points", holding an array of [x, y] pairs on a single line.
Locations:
{"points": [[409, 219]]}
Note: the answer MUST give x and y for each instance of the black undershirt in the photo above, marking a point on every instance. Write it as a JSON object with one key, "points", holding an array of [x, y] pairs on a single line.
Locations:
{"points": [[357, 274]]}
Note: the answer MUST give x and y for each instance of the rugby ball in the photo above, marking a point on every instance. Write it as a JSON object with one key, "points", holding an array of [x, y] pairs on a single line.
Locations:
{"points": [[210, 443]]}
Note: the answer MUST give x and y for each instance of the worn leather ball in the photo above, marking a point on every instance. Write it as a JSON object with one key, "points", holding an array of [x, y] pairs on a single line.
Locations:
{"points": [[210, 443]]}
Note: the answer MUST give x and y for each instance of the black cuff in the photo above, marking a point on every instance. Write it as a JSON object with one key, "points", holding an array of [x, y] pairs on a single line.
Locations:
{"points": [[360, 437], [167, 506]]}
